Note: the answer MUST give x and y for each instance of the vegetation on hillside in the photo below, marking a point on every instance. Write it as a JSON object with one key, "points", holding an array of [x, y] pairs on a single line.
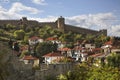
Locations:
{"points": [[4, 50], [83, 71], [86, 71]]}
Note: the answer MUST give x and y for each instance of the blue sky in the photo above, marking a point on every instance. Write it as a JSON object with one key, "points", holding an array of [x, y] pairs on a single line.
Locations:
{"points": [[93, 14]]}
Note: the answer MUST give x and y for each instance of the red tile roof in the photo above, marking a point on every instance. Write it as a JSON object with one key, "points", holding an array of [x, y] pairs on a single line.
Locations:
{"points": [[53, 55], [108, 43], [96, 55], [24, 47], [51, 38], [78, 48], [29, 58], [84, 53], [78, 42], [70, 59], [97, 49], [64, 49], [34, 38]]}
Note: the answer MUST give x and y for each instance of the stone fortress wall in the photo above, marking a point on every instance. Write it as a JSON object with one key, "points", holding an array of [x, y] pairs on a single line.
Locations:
{"points": [[58, 24], [53, 70]]}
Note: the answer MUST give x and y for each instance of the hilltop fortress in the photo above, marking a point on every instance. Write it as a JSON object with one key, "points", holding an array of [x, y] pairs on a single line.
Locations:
{"points": [[58, 24]]}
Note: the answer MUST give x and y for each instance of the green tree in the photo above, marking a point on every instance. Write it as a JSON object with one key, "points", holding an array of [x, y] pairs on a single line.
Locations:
{"points": [[77, 37], [1, 32], [30, 34], [9, 27], [62, 77], [67, 37], [70, 45], [26, 39], [113, 60], [24, 53], [44, 48], [46, 32], [19, 34], [103, 73]]}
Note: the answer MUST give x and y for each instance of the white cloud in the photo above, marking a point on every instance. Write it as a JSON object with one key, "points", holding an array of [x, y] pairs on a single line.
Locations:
{"points": [[94, 21], [115, 30], [18, 7], [97, 21], [41, 2], [47, 19], [15, 11]]}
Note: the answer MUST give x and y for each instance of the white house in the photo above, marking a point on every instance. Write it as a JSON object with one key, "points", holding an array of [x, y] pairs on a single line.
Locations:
{"points": [[53, 40], [89, 45], [107, 47], [29, 59], [80, 54], [34, 40], [67, 52], [52, 58]]}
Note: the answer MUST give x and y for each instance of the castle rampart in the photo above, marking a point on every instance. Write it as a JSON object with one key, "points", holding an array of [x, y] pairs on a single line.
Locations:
{"points": [[58, 24], [80, 30], [53, 70]]}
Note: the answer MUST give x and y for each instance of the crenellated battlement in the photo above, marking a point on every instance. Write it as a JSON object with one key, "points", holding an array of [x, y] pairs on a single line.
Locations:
{"points": [[59, 24]]}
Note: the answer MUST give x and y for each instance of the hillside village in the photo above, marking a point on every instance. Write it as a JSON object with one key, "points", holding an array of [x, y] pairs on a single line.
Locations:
{"points": [[48, 49], [81, 51]]}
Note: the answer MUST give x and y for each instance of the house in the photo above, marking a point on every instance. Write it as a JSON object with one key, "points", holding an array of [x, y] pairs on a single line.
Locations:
{"points": [[98, 58], [107, 47], [53, 40], [29, 59], [115, 50], [53, 57], [67, 52], [79, 43], [89, 45], [108, 44], [96, 50], [98, 55], [24, 48], [34, 40], [80, 54], [62, 44]]}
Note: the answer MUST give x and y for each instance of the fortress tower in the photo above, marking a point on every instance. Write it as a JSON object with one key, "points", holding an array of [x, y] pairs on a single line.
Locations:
{"points": [[61, 23], [24, 19], [103, 31]]}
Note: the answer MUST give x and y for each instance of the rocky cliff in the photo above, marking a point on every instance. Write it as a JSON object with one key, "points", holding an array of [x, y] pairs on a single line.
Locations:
{"points": [[10, 66]]}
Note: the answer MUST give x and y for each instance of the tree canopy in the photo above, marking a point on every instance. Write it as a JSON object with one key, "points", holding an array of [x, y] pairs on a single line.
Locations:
{"points": [[19, 34]]}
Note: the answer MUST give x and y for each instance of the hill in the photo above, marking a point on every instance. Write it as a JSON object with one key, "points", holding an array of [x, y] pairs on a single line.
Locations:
{"points": [[11, 68]]}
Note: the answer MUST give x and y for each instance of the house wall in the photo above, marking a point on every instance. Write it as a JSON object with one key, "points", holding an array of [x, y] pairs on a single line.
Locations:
{"points": [[49, 60], [89, 46], [115, 50], [36, 63], [32, 42]]}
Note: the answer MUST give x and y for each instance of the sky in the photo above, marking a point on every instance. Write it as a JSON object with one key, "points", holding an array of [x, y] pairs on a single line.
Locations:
{"points": [[92, 14]]}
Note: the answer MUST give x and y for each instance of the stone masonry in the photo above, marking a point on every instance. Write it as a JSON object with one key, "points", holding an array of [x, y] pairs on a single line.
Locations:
{"points": [[58, 24]]}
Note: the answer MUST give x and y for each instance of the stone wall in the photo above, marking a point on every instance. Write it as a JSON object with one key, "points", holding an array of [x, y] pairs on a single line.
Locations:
{"points": [[53, 70], [79, 30], [59, 24]]}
